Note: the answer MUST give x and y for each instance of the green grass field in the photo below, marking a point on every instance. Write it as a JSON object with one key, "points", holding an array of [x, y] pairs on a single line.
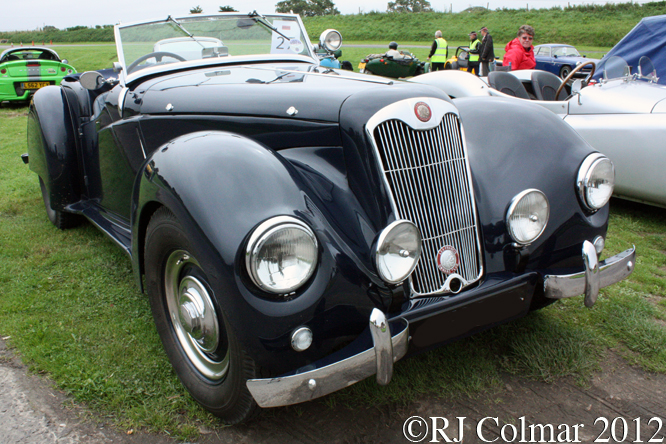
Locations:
{"points": [[70, 308]]}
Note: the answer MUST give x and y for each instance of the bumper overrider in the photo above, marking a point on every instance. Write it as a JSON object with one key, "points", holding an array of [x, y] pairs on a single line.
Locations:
{"points": [[597, 275], [383, 343], [379, 346]]}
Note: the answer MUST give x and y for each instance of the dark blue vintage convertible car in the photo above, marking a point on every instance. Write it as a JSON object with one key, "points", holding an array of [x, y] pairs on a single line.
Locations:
{"points": [[298, 228], [561, 59]]}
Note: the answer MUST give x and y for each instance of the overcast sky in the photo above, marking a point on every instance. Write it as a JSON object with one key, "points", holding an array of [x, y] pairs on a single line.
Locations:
{"points": [[33, 14]]}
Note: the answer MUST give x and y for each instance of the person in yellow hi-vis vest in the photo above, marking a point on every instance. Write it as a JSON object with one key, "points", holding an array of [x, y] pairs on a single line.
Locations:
{"points": [[473, 61], [438, 53]]}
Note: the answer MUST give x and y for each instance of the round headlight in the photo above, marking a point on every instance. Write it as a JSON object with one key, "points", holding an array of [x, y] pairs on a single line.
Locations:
{"points": [[330, 40], [596, 181], [398, 251], [281, 254], [527, 216]]}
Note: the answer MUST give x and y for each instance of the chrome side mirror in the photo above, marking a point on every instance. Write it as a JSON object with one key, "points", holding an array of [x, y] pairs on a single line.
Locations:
{"points": [[65, 61], [92, 80], [576, 87]]}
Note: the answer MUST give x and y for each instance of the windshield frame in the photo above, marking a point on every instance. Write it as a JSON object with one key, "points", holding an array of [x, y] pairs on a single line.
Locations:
{"points": [[125, 77]]}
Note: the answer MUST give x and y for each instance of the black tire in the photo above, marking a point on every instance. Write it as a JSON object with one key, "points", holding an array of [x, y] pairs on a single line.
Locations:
{"points": [[208, 361], [61, 219], [447, 66], [565, 71]]}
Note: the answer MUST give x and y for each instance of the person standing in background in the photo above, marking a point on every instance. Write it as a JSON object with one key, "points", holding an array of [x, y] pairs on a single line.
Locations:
{"points": [[487, 52], [519, 51], [473, 61], [438, 53]]}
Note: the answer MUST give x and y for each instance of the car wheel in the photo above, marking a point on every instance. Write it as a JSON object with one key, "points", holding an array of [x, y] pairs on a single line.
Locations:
{"points": [[61, 219], [447, 66], [198, 340], [564, 72]]}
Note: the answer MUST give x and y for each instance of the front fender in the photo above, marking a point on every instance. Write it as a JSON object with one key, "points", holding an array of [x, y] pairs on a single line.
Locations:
{"points": [[220, 186], [205, 178], [52, 146], [514, 145]]}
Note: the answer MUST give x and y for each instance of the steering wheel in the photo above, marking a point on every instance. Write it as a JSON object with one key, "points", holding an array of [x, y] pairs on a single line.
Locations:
{"points": [[574, 71], [158, 56]]}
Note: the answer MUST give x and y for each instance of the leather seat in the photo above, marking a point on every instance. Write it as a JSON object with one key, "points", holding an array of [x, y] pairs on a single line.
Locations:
{"points": [[545, 86], [507, 83]]}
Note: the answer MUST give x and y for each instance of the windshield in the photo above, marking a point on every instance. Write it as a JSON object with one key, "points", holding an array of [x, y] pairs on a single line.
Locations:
{"points": [[565, 51], [202, 37], [646, 70], [616, 67]]}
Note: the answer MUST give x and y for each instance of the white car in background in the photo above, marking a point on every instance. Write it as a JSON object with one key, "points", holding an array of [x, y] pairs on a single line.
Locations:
{"points": [[623, 115], [192, 48]]}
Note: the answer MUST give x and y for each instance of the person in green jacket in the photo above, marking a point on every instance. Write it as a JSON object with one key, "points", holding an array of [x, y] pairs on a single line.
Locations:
{"points": [[438, 53], [474, 46]]}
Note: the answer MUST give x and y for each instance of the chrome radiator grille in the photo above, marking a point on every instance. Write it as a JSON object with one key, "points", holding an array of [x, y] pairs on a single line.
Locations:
{"points": [[426, 171]]}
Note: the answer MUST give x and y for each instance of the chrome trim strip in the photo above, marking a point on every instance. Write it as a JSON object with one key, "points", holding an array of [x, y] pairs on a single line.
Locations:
{"points": [[597, 275], [308, 385]]}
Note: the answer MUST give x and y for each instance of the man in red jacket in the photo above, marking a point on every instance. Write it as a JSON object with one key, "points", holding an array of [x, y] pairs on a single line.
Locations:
{"points": [[519, 51]]}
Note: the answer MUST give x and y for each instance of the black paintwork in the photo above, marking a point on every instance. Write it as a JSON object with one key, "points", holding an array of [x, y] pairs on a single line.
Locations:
{"points": [[227, 156]]}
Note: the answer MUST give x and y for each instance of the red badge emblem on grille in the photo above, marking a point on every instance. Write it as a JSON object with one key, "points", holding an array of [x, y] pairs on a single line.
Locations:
{"points": [[448, 260], [422, 111]]}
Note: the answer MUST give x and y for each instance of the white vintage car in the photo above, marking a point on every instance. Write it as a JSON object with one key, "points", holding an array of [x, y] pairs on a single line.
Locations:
{"points": [[623, 115]]}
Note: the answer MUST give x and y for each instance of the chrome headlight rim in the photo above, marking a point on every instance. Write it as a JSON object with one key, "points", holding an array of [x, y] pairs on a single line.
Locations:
{"points": [[262, 233], [512, 208], [381, 240], [324, 40], [585, 172]]}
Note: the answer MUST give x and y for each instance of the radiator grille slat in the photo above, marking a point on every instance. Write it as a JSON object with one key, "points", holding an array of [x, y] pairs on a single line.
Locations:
{"points": [[427, 174]]}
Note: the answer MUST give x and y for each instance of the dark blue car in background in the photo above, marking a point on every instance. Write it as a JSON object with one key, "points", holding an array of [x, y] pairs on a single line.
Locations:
{"points": [[560, 59]]}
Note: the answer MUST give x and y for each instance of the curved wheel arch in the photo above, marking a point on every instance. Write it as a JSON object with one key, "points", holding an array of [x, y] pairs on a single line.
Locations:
{"points": [[564, 71]]}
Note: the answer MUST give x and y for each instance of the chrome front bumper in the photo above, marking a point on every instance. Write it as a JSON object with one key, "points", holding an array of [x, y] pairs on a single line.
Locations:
{"points": [[597, 275], [306, 384]]}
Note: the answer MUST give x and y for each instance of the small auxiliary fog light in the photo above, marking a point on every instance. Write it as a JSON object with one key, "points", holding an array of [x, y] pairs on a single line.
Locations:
{"points": [[599, 244], [301, 339]]}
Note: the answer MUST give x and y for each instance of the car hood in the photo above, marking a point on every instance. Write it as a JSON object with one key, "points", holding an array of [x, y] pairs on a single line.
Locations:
{"points": [[620, 97], [299, 92]]}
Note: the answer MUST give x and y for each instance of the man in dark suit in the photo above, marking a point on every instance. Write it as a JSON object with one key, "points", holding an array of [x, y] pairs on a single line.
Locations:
{"points": [[487, 52]]}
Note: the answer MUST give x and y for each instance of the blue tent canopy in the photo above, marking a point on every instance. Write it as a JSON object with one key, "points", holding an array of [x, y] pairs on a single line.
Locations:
{"points": [[648, 38]]}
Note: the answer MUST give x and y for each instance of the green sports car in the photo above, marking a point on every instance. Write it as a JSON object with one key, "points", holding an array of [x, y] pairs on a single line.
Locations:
{"points": [[24, 70]]}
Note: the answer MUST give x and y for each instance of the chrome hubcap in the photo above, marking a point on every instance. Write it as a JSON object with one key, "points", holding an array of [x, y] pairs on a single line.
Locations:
{"points": [[193, 316], [197, 315]]}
